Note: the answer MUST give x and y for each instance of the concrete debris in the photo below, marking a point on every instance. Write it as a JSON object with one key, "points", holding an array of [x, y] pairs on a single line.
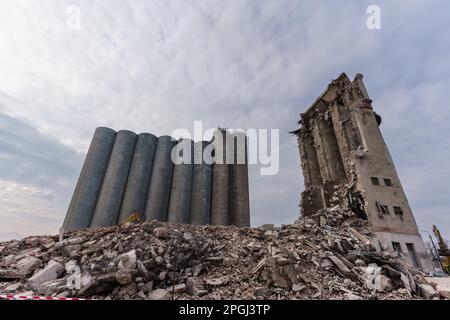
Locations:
{"points": [[426, 291], [28, 264], [51, 272], [159, 294], [323, 256], [442, 285]]}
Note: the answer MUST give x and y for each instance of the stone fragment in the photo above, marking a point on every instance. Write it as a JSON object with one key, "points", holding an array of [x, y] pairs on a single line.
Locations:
{"points": [[46, 242], [195, 287], [427, 292], [161, 232], [187, 236], [215, 282], [261, 292], [383, 283], [124, 276], [51, 272], [298, 287], [267, 227], [28, 264], [278, 280], [178, 288], [340, 265], [128, 260], [352, 296], [11, 274], [13, 287], [142, 269], [159, 294]]}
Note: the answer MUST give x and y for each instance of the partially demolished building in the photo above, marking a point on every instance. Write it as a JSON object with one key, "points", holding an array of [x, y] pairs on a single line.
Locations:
{"points": [[341, 146]]}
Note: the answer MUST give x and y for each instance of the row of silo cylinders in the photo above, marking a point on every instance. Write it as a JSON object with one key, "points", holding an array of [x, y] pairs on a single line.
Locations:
{"points": [[125, 173]]}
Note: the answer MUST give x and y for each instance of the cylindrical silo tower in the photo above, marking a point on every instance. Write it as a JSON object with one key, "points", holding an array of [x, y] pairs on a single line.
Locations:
{"points": [[159, 191], [220, 198], [82, 205], [180, 192], [201, 187], [138, 182], [241, 202], [113, 187]]}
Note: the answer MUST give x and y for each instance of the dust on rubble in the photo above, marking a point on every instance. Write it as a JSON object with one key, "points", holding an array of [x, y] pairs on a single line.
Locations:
{"points": [[330, 255]]}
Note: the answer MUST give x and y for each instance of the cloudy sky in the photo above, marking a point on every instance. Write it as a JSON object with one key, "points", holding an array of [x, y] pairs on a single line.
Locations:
{"points": [[158, 65]]}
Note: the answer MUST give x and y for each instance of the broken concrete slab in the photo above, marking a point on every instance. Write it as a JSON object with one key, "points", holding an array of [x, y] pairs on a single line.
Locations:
{"points": [[11, 274], [28, 264], [441, 284], [51, 272], [159, 294], [427, 292]]}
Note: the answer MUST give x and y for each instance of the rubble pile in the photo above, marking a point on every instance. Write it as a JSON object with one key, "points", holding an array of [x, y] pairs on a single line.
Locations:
{"points": [[329, 255]]}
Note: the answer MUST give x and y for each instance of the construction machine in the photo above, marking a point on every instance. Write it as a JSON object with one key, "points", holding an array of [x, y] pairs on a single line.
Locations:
{"points": [[443, 250]]}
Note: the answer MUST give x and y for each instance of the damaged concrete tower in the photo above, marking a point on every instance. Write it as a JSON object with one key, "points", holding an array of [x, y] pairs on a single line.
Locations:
{"points": [[341, 146]]}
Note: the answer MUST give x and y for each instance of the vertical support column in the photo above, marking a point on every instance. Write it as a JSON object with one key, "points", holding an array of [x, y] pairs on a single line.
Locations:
{"points": [[220, 198], [241, 202], [201, 187], [159, 191], [113, 187], [180, 193], [330, 151], [308, 155], [346, 132], [82, 205], [320, 152], [138, 182]]}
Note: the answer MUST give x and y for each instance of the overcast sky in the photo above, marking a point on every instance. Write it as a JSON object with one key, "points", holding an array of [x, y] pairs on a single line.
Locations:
{"points": [[158, 65]]}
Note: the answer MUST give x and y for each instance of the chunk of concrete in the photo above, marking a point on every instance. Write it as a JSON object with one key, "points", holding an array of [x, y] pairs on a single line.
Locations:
{"points": [[51, 272], [178, 288], [341, 266], [159, 294], [128, 260], [383, 283], [442, 285], [28, 264], [267, 227], [46, 242], [11, 274], [124, 276], [427, 292], [352, 296], [13, 287]]}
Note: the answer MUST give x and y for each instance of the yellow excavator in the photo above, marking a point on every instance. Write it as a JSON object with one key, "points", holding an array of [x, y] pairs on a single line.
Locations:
{"points": [[443, 250], [133, 218]]}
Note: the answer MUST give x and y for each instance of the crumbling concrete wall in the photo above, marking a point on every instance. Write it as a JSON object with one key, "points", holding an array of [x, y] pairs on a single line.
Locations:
{"points": [[341, 144]]}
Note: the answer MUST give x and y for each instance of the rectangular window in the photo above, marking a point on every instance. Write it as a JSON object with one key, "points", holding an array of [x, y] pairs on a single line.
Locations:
{"points": [[397, 247], [384, 209], [412, 254], [388, 182], [375, 181], [398, 211]]}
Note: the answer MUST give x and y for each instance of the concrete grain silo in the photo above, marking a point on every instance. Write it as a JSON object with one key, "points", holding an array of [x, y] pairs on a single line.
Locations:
{"points": [[180, 193], [241, 203], [220, 198], [159, 191], [110, 198], [124, 174], [138, 183], [82, 206], [201, 186]]}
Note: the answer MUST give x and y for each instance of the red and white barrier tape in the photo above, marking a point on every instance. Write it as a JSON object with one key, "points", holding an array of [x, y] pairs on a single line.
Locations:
{"points": [[19, 297]]}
